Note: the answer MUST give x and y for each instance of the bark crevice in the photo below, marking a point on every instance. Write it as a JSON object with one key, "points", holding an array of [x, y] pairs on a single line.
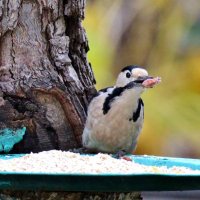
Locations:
{"points": [[45, 79]]}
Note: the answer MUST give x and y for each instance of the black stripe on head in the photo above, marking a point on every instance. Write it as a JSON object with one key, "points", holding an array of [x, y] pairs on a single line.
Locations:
{"points": [[136, 114], [130, 68]]}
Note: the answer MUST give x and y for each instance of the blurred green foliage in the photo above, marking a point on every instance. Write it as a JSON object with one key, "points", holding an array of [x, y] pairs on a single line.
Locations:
{"points": [[163, 36]]}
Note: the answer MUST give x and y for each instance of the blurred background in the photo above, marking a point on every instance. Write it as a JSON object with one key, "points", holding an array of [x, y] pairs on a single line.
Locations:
{"points": [[164, 37]]}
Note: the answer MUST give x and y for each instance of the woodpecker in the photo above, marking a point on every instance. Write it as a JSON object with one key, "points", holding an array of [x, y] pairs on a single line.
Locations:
{"points": [[115, 115]]}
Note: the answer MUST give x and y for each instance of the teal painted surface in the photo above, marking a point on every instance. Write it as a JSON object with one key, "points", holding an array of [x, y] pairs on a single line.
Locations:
{"points": [[167, 161], [9, 137]]}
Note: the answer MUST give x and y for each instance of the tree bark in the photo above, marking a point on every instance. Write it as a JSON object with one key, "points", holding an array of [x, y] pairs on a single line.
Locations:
{"points": [[11, 195], [45, 78]]}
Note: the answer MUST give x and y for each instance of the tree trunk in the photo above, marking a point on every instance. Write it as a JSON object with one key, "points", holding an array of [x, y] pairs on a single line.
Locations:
{"points": [[45, 78]]}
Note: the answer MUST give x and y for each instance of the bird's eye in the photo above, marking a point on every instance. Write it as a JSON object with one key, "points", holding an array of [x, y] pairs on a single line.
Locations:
{"points": [[128, 74]]}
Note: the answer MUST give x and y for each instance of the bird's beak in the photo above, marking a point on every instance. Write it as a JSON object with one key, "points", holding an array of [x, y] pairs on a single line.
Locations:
{"points": [[141, 79]]}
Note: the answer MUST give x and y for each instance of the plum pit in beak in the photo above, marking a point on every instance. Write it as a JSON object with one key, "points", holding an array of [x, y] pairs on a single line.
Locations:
{"points": [[148, 81]]}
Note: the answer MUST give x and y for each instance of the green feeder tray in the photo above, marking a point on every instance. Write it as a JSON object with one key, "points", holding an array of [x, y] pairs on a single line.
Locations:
{"points": [[107, 182]]}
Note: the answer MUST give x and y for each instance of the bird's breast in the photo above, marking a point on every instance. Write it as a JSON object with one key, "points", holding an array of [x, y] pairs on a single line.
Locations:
{"points": [[114, 130]]}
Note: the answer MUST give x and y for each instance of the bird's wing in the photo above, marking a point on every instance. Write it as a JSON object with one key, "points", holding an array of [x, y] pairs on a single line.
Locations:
{"points": [[104, 90], [99, 97]]}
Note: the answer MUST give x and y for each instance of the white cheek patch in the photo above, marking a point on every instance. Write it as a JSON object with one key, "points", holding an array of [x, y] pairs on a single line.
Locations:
{"points": [[139, 72], [122, 80]]}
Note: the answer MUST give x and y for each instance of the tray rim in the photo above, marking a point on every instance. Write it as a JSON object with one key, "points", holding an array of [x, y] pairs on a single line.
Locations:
{"points": [[96, 174]]}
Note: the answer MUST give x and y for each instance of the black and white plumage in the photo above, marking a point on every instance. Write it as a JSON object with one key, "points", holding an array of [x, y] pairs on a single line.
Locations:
{"points": [[116, 114]]}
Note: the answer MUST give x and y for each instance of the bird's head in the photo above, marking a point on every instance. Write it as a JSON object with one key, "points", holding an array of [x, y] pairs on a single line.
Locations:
{"points": [[135, 74]]}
